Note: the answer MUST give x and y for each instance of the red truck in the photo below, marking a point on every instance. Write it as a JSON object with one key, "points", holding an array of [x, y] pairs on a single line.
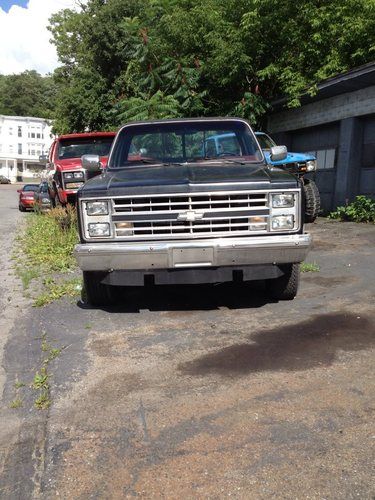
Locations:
{"points": [[64, 162]]}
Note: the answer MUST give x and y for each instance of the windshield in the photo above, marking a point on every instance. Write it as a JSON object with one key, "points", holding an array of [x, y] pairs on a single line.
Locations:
{"points": [[30, 187], [75, 148], [265, 141], [185, 142]]}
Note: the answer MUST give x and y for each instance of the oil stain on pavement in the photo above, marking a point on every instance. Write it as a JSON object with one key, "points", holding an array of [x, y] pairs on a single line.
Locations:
{"points": [[293, 347]]}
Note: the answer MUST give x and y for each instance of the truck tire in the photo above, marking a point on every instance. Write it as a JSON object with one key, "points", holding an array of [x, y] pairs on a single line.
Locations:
{"points": [[312, 200], [95, 292], [285, 287]]}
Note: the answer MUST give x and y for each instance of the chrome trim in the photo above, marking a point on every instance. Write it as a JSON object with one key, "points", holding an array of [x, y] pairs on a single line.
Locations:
{"points": [[194, 233], [273, 249]]}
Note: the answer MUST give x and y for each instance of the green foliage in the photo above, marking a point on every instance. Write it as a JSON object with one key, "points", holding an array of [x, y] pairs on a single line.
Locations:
{"points": [[45, 248], [362, 209], [130, 59], [309, 267], [16, 403], [41, 379], [54, 291], [27, 94], [43, 401], [49, 240], [144, 108]]}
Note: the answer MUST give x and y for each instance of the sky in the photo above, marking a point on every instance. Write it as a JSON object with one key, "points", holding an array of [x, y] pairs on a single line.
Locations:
{"points": [[24, 38]]}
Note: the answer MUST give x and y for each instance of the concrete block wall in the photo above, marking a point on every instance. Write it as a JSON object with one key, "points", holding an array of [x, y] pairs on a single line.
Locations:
{"points": [[357, 103]]}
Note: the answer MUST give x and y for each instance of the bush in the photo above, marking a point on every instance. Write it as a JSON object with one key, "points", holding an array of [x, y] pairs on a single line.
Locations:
{"points": [[362, 209]]}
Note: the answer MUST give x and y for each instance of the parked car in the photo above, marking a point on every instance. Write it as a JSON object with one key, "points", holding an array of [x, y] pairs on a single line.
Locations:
{"points": [[26, 197], [42, 200], [300, 164], [164, 212], [4, 180], [64, 163]]}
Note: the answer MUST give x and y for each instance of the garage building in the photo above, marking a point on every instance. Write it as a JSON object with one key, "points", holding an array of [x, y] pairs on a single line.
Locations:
{"points": [[338, 125]]}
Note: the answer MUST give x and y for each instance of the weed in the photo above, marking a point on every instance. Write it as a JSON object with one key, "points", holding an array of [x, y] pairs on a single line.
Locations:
{"points": [[41, 379], [362, 209], [45, 346], [53, 353], [309, 267], [43, 401], [16, 403], [19, 384], [71, 288], [27, 274], [88, 326], [49, 240]]}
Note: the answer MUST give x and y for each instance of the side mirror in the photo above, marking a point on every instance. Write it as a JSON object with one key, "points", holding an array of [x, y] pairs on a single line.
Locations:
{"points": [[91, 163], [278, 153]]}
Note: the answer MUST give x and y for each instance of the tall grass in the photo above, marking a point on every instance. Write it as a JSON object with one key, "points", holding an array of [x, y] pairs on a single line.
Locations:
{"points": [[44, 253], [49, 240]]}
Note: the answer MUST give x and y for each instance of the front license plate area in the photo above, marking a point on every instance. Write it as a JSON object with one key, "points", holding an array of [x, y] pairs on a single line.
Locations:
{"points": [[192, 257]]}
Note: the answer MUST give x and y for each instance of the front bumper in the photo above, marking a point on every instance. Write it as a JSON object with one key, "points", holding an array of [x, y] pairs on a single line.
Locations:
{"points": [[215, 252]]}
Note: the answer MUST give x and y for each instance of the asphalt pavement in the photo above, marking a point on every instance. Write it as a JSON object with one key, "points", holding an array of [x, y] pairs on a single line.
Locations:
{"points": [[195, 392]]}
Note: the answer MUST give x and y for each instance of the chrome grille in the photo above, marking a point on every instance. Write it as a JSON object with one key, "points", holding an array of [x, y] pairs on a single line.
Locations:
{"points": [[159, 216]]}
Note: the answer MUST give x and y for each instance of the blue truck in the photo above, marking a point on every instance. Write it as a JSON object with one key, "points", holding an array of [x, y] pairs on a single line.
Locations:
{"points": [[302, 165]]}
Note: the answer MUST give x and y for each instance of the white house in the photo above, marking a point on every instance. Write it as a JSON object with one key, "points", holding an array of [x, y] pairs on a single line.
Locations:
{"points": [[22, 140]]}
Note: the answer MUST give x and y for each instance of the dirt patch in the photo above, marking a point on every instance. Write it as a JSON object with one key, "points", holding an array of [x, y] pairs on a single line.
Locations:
{"points": [[323, 245], [327, 282], [290, 348]]}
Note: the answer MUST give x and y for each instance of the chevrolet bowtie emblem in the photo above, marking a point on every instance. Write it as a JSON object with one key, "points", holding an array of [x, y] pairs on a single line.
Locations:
{"points": [[190, 215]]}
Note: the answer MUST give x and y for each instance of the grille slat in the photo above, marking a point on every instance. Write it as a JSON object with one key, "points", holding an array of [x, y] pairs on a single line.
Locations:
{"points": [[218, 213]]}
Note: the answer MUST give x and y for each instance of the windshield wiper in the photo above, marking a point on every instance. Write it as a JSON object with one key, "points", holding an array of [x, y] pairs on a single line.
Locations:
{"points": [[223, 158]]}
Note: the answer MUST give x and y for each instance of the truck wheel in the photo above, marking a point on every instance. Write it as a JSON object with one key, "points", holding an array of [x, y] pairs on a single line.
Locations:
{"points": [[285, 287], [21, 208], [95, 292], [312, 200]]}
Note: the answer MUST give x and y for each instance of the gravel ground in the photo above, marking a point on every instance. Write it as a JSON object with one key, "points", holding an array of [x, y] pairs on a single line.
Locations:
{"points": [[197, 392]]}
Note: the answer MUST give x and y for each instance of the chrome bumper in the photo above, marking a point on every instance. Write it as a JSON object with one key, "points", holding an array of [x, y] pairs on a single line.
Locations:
{"points": [[215, 252]]}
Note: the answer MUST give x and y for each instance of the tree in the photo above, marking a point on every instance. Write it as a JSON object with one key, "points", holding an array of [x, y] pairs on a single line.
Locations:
{"points": [[127, 58], [27, 94]]}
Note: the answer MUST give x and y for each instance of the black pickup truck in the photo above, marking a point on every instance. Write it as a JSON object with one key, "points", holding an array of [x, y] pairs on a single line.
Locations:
{"points": [[169, 211]]}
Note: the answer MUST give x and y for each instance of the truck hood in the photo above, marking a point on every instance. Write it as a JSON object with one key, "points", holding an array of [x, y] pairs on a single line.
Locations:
{"points": [[151, 179], [291, 158], [73, 163]]}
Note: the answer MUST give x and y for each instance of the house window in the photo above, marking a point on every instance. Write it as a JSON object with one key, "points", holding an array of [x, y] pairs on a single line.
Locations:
{"points": [[20, 149], [10, 148], [10, 130], [32, 135], [19, 131], [33, 152]]}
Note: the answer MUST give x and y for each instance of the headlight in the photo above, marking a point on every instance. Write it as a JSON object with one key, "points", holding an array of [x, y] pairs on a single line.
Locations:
{"points": [[45, 200], [282, 200], [311, 165], [78, 175], [68, 175], [99, 229], [97, 208], [282, 222]]}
